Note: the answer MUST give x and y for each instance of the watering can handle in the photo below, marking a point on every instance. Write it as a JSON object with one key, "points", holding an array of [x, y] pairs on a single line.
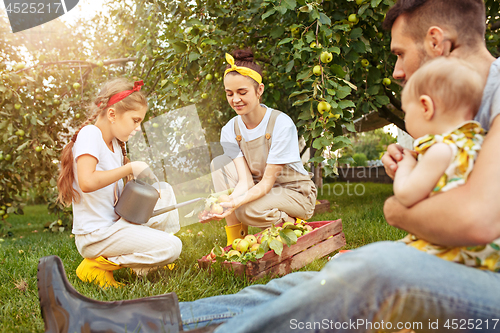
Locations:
{"points": [[117, 196]]}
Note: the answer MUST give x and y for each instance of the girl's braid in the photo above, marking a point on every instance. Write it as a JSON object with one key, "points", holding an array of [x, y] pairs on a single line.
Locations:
{"points": [[101, 105]]}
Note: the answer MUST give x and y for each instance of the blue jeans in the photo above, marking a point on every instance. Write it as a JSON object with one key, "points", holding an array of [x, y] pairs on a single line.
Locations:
{"points": [[383, 286]]}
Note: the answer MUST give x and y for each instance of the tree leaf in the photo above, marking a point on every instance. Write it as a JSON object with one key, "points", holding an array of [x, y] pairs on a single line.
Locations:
{"points": [[289, 66], [321, 142], [277, 32], [284, 41], [290, 4], [350, 127], [324, 19], [296, 93], [345, 104], [268, 13], [382, 99], [356, 33], [194, 56]]}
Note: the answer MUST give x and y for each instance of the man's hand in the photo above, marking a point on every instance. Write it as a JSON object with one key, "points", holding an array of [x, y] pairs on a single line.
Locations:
{"points": [[392, 156]]}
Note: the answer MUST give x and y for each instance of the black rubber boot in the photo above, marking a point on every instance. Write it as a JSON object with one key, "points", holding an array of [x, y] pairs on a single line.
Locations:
{"points": [[66, 310]]}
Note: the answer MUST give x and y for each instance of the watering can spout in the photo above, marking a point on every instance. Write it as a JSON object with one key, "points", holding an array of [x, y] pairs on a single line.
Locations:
{"points": [[137, 201]]}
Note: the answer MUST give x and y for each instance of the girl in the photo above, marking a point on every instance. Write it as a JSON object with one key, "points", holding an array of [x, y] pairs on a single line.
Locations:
{"points": [[440, 100], [262, 160], [92, 164]]}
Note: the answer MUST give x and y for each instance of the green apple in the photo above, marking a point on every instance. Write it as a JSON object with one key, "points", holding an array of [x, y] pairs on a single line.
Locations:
{"points": [[326, 57], [359, 2], [235, 243], [209, 77], [324, 106], [365, 62], [77, 115], [1, 157], [386, 81], [334, 116], [2, 212], [352, 18], [317, 70], [233, 253], [242, 246], [251, 240], [271, 85], [254, 247], [298, 233], [76, 85], [216, 75], [37, 149], [100, 63], [204, 95], [20, 132], [313, 45]]}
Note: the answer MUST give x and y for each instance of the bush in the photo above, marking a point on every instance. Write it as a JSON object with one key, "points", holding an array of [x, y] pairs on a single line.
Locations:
{"points": [[359, 159]]}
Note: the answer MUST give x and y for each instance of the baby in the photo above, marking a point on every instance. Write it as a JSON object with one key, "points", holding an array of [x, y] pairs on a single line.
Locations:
{"points": [[440, 100]]}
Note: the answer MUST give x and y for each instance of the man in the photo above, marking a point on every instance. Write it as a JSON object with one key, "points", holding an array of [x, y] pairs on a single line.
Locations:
{"points": [[388, 286]]}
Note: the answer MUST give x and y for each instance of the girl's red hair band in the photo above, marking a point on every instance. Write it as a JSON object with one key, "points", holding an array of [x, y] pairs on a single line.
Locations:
{"points": [[121, 95]]}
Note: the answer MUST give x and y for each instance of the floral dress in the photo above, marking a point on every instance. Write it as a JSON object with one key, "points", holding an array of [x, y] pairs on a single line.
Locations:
{"points": [[465, 142]]}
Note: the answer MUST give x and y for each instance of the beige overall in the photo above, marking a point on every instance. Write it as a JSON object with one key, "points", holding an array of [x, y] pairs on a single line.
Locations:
{"points": [[293, 193]]}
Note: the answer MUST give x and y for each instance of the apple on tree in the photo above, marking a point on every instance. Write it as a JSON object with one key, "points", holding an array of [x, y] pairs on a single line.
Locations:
{"points": [[326, 57], [317, 70], [324, 106]]}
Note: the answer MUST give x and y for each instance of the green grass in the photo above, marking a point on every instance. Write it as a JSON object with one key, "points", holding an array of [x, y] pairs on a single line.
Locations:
{"points": [[362, 218]]}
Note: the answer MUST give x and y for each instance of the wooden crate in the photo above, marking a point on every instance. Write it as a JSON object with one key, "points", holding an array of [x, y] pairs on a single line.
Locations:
{"points": [[322, 207], [314, 245]]}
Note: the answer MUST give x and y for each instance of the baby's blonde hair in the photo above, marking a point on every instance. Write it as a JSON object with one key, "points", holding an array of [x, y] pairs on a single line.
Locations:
{"points": [[450, 82]]}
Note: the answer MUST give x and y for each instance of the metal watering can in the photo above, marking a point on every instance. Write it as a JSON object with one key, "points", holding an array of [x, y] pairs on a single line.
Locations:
{"points": [[137, 202]]}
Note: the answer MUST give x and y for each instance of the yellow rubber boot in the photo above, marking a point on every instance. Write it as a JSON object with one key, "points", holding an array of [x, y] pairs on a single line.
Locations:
{"points": [[235, 231], [98, 270]]}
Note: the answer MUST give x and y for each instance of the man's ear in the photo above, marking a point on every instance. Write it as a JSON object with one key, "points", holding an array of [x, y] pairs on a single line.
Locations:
{"points": [[435, 42], [427, 106]]}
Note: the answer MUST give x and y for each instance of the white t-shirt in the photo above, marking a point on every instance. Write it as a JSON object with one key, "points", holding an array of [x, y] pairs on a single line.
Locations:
{"points": [[284, 144], [95, 209]]}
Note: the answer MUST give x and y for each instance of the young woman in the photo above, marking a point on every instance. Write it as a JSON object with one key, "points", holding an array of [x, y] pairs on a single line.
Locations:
{"points": [[261, 158], [92, 164]]}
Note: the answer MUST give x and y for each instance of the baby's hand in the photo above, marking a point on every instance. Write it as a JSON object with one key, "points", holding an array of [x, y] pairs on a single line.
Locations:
{"points": [[409, 159]]}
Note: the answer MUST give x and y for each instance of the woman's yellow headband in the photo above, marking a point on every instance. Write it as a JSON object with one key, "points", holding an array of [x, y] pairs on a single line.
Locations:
{"points": [[242, 70]]}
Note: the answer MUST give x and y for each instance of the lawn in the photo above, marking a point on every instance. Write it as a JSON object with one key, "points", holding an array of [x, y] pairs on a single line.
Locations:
{"points": [[358, 205]]}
